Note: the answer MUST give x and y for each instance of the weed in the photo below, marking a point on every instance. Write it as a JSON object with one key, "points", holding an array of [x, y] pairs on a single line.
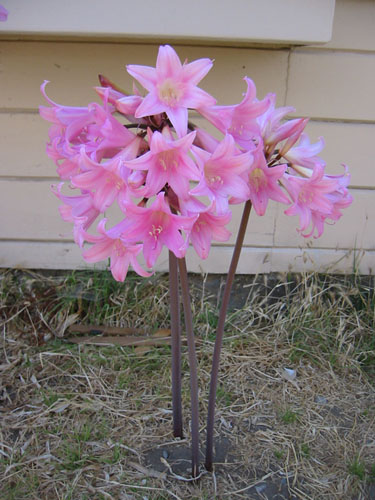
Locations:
{"points": [[357, 468], [224, 396], [279, 454], [305, 450], [289, 417]]}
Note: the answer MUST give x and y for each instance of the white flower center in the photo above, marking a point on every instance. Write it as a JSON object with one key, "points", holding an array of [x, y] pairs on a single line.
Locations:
{"points": [[169, 92]]}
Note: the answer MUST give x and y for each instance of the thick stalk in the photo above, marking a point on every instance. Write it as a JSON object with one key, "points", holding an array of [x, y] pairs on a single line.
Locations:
{"points": [[220, 333], [192, 366], [176, 346]]}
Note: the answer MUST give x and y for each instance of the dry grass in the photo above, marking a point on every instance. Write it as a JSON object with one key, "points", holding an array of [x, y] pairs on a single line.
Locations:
{"points": [[88, 422]]}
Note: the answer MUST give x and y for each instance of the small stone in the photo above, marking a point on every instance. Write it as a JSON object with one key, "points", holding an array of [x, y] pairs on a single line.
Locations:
{"points": [[321, 400], [165, 454]]}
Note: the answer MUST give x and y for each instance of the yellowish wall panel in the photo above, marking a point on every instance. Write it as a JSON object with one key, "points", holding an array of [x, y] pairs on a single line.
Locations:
{"points": [[22, 144], [332, 85], [353, 25], [72, 69], [29, 210], [51, 255]]}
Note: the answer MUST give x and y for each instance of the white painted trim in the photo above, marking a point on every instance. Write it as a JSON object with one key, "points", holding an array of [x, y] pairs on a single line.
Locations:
{"points": [[221, 21]]}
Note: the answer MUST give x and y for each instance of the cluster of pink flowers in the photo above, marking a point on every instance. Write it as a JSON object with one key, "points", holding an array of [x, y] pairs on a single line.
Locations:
{"points": [[3, 13], [173, 181]]}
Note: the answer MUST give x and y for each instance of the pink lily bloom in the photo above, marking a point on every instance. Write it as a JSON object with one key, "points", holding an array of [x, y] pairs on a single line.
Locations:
{"points": [[168, 161], [128, 105], [63, 115], [304, 154], [120, 252], [92, 126], [239, 120], [108, 94], [311, 195], [264, 185], [109, 133], [341, 198], [208, 227], [221, 173], [273, 131], [106, 180], [172, 87], [69, 167], [155, 226], [78, 209], [294, 137], [3, 13]]}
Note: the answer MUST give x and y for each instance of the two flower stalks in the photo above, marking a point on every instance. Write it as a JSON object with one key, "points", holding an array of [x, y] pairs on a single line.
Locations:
{"points": [[141, 166]]}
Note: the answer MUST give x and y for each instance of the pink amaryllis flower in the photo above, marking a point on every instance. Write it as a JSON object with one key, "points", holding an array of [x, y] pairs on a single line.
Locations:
{"points": [[168, 161], [3, 13], [311, 195], [172, 87], [273, 131], [107, 181], [92, 126], [155, 226], [76, 206], [221, 173], [305, 154], [209, 226], [264, 185], [239, 120], [120, 252]]}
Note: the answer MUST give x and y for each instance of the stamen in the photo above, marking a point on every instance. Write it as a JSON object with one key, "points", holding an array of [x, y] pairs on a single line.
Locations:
{"points": [[169, 92]]}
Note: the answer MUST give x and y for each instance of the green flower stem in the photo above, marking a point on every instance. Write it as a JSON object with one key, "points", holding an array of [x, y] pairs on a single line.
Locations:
{"points": [[176, 346], [220, 333], [193, 368]]}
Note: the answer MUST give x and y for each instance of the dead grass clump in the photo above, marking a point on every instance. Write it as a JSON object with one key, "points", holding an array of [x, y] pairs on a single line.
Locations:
{"points": [[295, 403]]}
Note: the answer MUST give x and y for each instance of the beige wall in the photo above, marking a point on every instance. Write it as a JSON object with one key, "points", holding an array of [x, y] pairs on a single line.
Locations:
{"points": [[333, 84]]}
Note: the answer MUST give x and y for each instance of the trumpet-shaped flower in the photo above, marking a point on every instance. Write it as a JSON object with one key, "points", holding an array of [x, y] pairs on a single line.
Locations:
{"points": [[80, 210], [167, 161], [3, 13], [311, 195], [155, 226], [239, 120], [209, 226], [172, 87], [221, 173], [92, 126], [120, 252], [304, 154], [106, 180], [263, 184]]}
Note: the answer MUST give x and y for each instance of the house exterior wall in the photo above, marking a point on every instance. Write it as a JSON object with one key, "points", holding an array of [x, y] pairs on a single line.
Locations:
{"points": [[333, 84]]}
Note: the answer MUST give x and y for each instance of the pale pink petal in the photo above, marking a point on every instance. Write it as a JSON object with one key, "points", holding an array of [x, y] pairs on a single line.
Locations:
{"points": [[99, 251], [168, 63], [179, 119], [196, 70], [197, 98], [150, 105], [146, 75]]}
